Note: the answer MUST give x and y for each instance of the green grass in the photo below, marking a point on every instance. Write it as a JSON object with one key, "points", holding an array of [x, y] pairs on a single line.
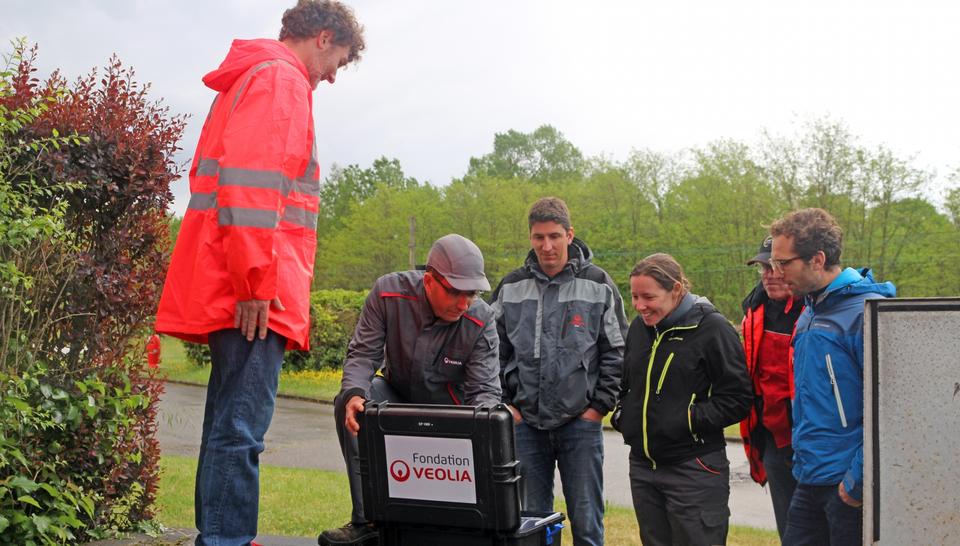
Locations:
{"points": [[294, 502], [299, 502]]}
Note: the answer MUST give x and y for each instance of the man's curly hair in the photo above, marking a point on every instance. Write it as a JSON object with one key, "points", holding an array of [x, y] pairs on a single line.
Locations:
{"points": [[309, 17], [812, 230]]}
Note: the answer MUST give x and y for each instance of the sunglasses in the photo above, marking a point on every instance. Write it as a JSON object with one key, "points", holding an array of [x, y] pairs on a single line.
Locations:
{"points": [[454, 292]]}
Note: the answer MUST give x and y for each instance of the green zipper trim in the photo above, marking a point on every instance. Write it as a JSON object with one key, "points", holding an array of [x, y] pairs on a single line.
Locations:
{"points": [[693, 397], [663, 374], [646, 393]]}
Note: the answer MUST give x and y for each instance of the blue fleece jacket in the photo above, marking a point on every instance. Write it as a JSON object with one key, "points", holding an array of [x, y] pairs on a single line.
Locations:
{"points": [[828, 382]]}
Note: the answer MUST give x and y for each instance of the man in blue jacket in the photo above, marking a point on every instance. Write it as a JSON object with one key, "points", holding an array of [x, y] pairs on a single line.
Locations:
{"points": [[828, 378]]}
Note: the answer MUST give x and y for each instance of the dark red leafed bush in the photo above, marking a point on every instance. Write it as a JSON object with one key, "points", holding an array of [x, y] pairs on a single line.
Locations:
{"points": [[85, 171]]}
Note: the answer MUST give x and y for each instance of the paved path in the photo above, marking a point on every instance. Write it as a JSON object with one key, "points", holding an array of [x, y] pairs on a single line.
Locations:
{"points": [[302, 435]]}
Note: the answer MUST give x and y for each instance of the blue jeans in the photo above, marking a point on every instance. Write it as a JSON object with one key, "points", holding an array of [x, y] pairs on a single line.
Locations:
{"points": [[576, 448], [241, 396], [818, 517]]}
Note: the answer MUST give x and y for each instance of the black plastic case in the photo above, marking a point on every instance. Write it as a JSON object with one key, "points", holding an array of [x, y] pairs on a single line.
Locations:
{"points": [[497, 476]]}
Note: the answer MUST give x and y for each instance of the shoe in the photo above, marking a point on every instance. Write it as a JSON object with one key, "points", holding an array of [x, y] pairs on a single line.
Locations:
{"points": [[354, 534]]}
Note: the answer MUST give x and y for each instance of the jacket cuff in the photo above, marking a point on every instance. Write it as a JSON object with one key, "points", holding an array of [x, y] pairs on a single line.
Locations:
{"points": [[601, 409], [853, 487], [350, 393]]}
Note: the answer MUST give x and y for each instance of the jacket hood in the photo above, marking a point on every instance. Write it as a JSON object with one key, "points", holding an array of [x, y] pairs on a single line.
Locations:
{"points": [[691, 310], [579, 255], [245, 54], [852, 282]]}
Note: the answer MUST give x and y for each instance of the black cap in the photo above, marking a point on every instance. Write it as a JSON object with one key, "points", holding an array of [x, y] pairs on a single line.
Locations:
{"points": [[763, 255]]}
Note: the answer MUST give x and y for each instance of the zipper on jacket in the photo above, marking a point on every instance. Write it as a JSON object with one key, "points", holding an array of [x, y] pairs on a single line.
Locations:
{"points": [[836, 391], [693, 398], [663, 374], [646, 391]]}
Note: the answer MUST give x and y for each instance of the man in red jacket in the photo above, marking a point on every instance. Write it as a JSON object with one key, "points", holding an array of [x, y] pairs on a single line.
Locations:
{"points": [[770, 313], [240, 274]]}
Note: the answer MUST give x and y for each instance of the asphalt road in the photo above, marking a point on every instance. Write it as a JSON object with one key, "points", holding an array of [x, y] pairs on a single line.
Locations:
{"points": [[303, 435]]}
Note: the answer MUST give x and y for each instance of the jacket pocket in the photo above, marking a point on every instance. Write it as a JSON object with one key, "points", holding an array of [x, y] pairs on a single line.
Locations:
{"points": [[714, 517], [573, 392], [511, 379], [695, 436], [714, 462], [836, 391], [663, 374]]}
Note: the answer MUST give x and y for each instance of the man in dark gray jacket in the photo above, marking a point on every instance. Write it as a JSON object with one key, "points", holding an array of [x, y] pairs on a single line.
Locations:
{"points": [[436, 343], [562, 327]]}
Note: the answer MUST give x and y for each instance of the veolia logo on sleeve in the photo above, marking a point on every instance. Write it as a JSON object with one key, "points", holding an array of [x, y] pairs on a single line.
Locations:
{"points": [[452, 361], [426, 468]]}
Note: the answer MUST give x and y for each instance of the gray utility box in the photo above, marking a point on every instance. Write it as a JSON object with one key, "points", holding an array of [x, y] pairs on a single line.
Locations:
{"points": [[911, 448]]}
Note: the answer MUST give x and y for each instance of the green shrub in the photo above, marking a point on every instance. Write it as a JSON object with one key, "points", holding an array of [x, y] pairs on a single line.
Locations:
{"points": [[52, 488], [333, 316], [198, 353]]}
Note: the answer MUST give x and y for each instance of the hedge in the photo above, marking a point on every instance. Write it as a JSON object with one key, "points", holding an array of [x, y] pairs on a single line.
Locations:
{"points": [[85, 170]]}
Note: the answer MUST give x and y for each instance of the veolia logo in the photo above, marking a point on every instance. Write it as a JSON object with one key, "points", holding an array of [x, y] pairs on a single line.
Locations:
{"points": [[400, 471]]}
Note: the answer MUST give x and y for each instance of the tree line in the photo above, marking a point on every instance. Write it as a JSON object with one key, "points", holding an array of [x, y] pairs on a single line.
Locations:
{"points": [[708, 207]]}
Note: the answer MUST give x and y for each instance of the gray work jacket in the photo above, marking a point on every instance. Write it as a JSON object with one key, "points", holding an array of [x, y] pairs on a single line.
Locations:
{"points": [[425, 359], [561, 339]]}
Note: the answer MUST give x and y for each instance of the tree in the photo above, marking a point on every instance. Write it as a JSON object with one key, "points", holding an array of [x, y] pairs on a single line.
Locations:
{"points": [[952, 201], [654, 174], [888, 183], [921, 255], [717, 217], [350, 186], [375, 234], [813, 168], [541, 156], [492, 213]]}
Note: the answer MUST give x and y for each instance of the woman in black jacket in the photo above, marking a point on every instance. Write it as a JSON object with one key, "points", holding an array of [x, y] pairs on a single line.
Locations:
{"points": [[685, 379]]}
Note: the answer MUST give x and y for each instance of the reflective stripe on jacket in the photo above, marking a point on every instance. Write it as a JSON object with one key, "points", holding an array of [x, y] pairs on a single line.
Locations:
{"points": [[249, 231], [426, 360]]}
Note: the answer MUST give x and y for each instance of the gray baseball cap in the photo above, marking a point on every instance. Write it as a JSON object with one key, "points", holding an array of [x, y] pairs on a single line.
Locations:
{"points": [[459, 261]]}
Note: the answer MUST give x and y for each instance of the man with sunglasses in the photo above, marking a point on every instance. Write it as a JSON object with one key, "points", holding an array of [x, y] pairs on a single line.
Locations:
{"points": [[770, 313], [435, 342], [827, 378], [562, 328]]}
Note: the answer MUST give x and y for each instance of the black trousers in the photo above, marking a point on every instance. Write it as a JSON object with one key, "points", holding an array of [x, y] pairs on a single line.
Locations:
{"points": [[682, 504]]}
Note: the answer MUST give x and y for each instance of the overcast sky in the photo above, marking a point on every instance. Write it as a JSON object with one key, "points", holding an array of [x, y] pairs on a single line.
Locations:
{"points": [[440, 77]]}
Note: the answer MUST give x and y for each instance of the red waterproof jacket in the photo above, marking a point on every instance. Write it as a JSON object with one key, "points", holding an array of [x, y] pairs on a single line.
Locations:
{"points": [[250, 228], [766, 342]]}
